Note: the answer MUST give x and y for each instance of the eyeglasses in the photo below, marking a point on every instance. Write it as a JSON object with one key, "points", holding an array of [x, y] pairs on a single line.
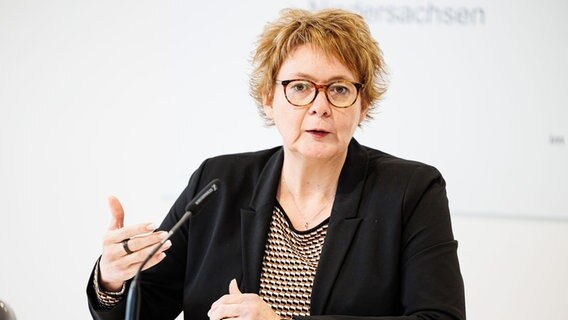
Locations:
{"points": [[300, 92]]}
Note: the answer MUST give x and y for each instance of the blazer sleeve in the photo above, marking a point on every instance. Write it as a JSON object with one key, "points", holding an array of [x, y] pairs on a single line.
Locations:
{"points": [[162, 285], [431, 284]]}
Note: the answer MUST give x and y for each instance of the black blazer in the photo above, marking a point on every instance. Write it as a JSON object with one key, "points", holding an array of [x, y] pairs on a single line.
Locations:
{"points": [[389, 251]]}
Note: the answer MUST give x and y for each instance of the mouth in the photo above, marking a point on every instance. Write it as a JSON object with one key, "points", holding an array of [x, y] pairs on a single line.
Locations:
{"points": [[318, 133]]}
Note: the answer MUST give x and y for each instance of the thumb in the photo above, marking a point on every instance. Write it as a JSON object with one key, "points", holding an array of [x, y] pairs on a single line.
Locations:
{"points": [[233, 287], [117, 213]]}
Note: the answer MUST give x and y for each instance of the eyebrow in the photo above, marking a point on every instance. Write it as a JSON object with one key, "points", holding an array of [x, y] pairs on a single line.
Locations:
{"points": [[306, 76]]}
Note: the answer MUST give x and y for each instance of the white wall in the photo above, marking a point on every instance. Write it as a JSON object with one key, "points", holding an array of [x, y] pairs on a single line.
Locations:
{"points": [[513, 268], [98, 98]]}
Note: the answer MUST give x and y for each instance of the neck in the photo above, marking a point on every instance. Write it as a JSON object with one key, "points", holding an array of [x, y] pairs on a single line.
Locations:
{"points": [[307, 178], [307, 189]]}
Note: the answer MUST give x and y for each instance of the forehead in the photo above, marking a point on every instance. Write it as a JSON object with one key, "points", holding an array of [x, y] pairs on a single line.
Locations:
{"points": [[312, 63]]}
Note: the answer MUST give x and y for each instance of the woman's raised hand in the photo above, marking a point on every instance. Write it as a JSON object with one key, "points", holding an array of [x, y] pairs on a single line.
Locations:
{"points": [[125, 248]]}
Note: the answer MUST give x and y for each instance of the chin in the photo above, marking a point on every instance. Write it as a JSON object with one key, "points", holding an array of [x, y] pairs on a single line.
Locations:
{"points": [[320, 151]]}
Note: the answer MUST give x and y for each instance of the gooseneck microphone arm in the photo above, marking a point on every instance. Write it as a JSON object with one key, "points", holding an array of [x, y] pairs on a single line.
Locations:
{"points": [[133, 297]]}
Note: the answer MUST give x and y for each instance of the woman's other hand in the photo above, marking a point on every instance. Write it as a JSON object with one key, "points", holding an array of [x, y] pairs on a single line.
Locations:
{"points": [[241, 305], [116, 265]]}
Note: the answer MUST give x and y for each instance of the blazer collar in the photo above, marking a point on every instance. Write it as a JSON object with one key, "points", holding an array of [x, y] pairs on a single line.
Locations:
{"points": [[343, 224], [255, 222]]}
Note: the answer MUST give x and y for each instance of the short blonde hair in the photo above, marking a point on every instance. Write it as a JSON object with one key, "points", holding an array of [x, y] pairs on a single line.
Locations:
{"points": [[338, 33]]}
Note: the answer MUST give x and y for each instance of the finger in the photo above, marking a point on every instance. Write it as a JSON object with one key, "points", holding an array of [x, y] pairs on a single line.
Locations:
{"points": [[228, 299], [138, 257], [157, 258], [148, 240], [233, 287], [125, 267], [114, 249], [224, 311], [117, 235], [117, 213]]}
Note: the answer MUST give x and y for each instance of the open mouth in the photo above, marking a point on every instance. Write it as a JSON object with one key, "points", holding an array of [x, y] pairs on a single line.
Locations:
{"points": [[317, 132]]}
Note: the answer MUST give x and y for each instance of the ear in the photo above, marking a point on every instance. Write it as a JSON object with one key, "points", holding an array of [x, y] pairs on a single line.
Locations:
{"points": [[363, 115], [267, 106]]}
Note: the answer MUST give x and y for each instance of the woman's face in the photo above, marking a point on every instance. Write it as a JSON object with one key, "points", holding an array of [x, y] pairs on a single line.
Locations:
{"points": [[318, 130]]}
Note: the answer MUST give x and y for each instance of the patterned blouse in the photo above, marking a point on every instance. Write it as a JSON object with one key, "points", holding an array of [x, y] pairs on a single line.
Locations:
{"points": [[289, 266]]}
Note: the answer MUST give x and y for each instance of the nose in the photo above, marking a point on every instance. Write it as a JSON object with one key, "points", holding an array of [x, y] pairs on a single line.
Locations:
{"points": [[320, 106]]}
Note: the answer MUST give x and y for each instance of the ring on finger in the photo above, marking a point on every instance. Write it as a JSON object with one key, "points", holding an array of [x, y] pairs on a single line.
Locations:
{"points": [[125, 246]]}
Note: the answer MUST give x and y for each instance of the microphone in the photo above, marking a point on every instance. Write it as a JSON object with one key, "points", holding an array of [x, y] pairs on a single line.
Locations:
{"points": [[132, 305]]}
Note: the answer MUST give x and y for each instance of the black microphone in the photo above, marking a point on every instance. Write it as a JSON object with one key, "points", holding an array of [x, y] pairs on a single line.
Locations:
{"points": [[132, 300]]}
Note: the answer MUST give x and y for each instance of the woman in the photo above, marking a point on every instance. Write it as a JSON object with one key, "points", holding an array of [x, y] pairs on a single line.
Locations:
{"points": [[321, 227]]}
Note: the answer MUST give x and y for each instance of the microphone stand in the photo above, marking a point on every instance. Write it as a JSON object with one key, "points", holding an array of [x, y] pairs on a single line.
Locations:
{"points": [[133, 297]]}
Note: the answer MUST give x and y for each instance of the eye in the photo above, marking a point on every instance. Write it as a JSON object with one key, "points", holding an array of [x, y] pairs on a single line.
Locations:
{"points": [[340, 89], [300, 86]]}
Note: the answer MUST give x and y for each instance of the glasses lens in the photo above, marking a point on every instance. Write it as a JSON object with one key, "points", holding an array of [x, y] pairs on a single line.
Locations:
{"points": [[342, 93], [300, 92]]}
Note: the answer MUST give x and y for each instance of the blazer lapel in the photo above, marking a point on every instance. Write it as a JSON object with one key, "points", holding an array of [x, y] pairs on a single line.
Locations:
{"points": [[255, 222], [342, 225]]}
